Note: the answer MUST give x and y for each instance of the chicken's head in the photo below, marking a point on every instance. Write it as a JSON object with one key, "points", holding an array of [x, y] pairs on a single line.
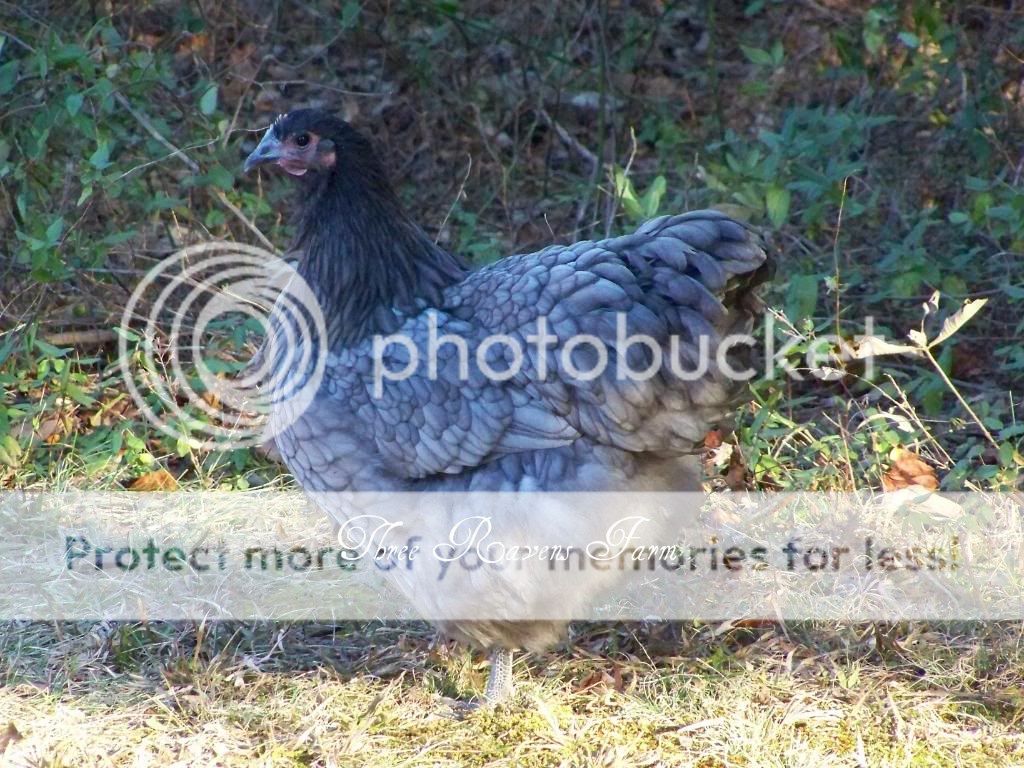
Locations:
{"points": [[307, 141]]}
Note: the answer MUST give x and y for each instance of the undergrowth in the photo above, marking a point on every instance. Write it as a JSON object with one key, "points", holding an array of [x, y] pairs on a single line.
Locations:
{"points": [[878, 153]]}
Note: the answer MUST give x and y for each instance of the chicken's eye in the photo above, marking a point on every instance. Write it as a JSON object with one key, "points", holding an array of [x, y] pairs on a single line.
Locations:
{"points": [[302, 139]]}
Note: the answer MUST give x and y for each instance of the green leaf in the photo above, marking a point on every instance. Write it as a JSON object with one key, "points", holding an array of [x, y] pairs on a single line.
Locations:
{"points": [[68, 54], [53, 232], [1007, 454], [627, 195], [78, 395], [801, 297], [161, 202], [909, 39], [73, 103], [221, 177], [873, 40], [126, 334], [8, 76], [954, 284], [1002, 212], [906, 284], [49, 349], [777, 201], [7, 347], [932, 399], [758, 56], [651, 200], [958, 217], [100, 159], [208, 101], [350, 14]]}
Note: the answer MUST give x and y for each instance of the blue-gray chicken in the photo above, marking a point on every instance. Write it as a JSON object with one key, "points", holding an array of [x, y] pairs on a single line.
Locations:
{"points": [[541, 425]]}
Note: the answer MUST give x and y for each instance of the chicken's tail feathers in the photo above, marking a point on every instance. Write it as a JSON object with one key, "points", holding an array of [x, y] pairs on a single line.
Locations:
{"points": [[738, 265], [734, 246], [728, 260]]}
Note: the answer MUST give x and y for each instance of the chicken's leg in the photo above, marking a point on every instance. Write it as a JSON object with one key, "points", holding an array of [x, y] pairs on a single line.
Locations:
{"points": [[499, 681]]}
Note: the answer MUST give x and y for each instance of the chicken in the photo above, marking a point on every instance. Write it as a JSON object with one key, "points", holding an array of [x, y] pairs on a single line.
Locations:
{"points": [[683, 281]]}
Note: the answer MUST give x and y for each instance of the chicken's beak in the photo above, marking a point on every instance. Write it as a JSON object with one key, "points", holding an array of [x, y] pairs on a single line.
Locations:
{"points": [[268, 150]]}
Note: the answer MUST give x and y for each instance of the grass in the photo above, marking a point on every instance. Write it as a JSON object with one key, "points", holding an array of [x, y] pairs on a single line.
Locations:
{"points": [[312, 695], [877, 151]]}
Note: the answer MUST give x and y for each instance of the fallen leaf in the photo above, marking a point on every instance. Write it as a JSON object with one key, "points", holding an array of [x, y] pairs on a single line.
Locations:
{"points": [[212, 399], [159, 480], [597, 678], [9, 736], [53, 428], [754, 623], [713, 439], [736, 475], [908, 469]]}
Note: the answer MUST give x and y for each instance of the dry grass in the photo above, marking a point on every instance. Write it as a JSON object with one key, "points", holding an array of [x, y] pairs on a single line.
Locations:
{"points": [[304, 695]]}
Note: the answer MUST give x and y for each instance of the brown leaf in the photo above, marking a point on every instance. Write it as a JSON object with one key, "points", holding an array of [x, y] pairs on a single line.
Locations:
{"points": [[160, 480], [736, 475], [9, 735], [53, 428], [713, 439], [596, 678], [212, 399], [908, 469], [754, 623], [601, 678]]}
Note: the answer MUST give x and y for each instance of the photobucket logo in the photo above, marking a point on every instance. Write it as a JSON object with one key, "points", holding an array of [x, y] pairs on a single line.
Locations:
{"points": [[686, 359], [229, 345]]}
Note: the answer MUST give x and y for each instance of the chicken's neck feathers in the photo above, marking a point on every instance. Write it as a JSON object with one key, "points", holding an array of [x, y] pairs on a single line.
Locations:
{"points": [[366, 260]]}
